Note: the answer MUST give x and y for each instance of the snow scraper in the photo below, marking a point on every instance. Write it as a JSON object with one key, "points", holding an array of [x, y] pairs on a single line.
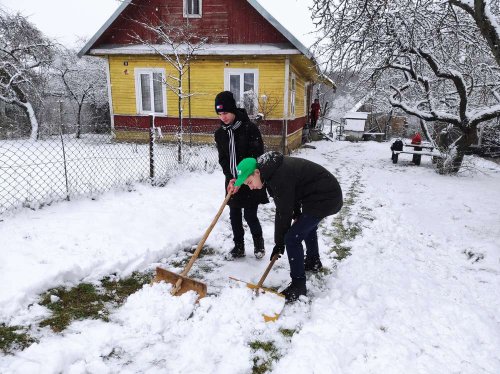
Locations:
{"points": [[180, 281], [274, 301]]}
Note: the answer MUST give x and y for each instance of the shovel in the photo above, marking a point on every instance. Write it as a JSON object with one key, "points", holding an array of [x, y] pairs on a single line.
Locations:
{"points": [[277, 300], [180, 281]]}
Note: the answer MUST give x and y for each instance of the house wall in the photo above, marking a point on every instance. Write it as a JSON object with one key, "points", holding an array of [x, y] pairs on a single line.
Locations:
{"points": [[207, 79], [222, 21]]}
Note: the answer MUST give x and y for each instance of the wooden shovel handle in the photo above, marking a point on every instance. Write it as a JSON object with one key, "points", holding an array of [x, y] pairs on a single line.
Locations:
{"points": [[204, 239], [268, 269]]}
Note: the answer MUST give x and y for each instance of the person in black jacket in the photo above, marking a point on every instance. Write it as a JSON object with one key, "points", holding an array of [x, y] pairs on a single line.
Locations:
{"points": [[238, 138], [304, 192]]}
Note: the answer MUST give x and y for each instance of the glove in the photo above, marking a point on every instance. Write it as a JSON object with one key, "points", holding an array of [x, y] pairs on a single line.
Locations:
{"points": [[277, 250]]}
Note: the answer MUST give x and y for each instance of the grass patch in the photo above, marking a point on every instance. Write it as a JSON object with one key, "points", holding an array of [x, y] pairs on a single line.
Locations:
{"points": [[472, 256], [205, 251], [345, 230], [287, 333], [88, 301], [67, 305], [14, 338], [188, 253], [267, 353], [120, 289]]}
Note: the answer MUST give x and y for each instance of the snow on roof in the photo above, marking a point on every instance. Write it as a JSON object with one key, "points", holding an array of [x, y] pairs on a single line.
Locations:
{"points": [[208, 49], [356, 115], [104, 27], [292, 39]]}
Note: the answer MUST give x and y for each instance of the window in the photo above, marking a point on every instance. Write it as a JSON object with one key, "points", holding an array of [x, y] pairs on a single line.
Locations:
{"points": [[243, 83], [307, 87], [292, 95], [192, 8], [150, 91]]}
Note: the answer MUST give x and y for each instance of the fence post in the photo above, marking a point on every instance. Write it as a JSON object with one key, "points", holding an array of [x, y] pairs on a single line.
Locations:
{"points": [[283, 136], [151, 148], [64, 161]]}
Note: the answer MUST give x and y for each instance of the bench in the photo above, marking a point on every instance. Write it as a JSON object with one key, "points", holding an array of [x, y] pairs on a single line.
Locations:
{"points": [[422, 145], [428, 150]]}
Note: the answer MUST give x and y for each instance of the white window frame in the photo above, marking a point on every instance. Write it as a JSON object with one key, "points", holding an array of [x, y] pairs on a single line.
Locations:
{"points": [[138, 93], [306, 107], [232, 71], [293, 90], [185, 9]]}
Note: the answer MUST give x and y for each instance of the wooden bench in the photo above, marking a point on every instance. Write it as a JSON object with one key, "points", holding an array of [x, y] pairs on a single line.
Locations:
{"points": [[428, 150]]}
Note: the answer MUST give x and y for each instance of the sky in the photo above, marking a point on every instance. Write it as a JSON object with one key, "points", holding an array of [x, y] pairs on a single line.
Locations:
{"points": [[419, 293], [68, 23]]}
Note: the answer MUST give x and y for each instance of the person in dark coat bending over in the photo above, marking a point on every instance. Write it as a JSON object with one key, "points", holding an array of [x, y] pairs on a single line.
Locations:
{"points": [[238, 138], [304, 192]]}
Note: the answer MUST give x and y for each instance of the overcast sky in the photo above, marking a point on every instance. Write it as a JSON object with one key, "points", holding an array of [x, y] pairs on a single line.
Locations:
{"points": [[68, 20]]}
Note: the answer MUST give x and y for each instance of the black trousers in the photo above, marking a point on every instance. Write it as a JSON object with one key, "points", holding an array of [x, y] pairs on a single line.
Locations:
{"points": [[304, 229], [314, 120], [236, 216]]}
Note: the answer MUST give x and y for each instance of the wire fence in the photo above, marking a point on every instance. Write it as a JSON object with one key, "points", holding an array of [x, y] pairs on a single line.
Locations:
{"points": [[59, 166]]}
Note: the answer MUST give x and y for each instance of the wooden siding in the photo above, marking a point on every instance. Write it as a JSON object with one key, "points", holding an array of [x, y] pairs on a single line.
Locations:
{"points": [[222, 21], [207, 79], [300, 82], [136, 129]]}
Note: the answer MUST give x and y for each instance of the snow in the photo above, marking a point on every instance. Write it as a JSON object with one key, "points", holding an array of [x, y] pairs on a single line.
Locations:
{"points": [[420, 292]]}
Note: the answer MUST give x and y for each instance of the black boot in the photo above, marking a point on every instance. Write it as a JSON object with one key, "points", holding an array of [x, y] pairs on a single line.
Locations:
{"points": [[296, 289], [258, 247], [238, 250], [313, 264]]}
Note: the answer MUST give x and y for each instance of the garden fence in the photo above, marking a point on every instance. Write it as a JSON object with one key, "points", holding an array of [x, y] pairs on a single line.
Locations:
{"points": [[59, 166]]}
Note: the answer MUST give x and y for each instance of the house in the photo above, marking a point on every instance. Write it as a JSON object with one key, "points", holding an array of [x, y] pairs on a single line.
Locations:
{"points": [[354, 124], [246, 51]]}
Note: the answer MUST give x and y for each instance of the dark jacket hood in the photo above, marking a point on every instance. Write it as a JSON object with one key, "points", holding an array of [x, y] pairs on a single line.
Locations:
{"points": [[268, 163], [241, 115]]}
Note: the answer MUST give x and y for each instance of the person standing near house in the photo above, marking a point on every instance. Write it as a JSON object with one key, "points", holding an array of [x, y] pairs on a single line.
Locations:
{"points": [[238, 138], [304, 192], [416, 139], [315, 112]]}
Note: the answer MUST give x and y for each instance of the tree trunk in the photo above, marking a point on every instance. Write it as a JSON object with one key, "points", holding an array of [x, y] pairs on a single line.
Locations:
{"points": [[30, 112], [78, 121], [455, 154]]}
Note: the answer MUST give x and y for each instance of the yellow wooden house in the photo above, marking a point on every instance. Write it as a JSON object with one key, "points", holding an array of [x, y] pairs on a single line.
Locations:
{"points": [[245, 51]]}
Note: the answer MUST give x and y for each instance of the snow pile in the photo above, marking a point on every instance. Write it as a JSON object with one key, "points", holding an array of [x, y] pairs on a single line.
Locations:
{"points": [[419, 292]]}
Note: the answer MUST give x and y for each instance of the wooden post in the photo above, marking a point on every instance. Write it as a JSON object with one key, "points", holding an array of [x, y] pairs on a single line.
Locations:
{"points": [[151, 148]]}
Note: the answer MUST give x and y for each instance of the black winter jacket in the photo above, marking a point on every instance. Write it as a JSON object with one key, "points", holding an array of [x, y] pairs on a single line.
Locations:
{"points": [[248, 143], [298, 186]]}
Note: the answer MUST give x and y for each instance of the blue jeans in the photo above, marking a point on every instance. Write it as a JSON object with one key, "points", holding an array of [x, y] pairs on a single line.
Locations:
{"points": [[304, 229], [250, 214]]}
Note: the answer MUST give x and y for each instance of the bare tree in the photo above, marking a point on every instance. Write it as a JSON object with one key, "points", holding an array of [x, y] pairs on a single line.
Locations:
{"points": [[428, 58], [177, 44], [24, 54], [486, 14], [83, 79]]}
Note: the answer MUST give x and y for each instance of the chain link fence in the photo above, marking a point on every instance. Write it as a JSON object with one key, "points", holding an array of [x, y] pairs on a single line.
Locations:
{"points": [[59, 166]]}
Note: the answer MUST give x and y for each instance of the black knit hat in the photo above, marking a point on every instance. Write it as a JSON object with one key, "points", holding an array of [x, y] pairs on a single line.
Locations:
{"points": [[224, 102]]}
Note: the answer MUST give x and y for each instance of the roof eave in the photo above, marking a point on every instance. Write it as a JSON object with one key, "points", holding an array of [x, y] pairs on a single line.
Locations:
{"points": [[104, 27], [287, 34], [209, 50]]}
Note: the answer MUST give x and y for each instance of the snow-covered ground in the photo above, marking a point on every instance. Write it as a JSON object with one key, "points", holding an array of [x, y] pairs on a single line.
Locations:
{"points": [[420, 292]]}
